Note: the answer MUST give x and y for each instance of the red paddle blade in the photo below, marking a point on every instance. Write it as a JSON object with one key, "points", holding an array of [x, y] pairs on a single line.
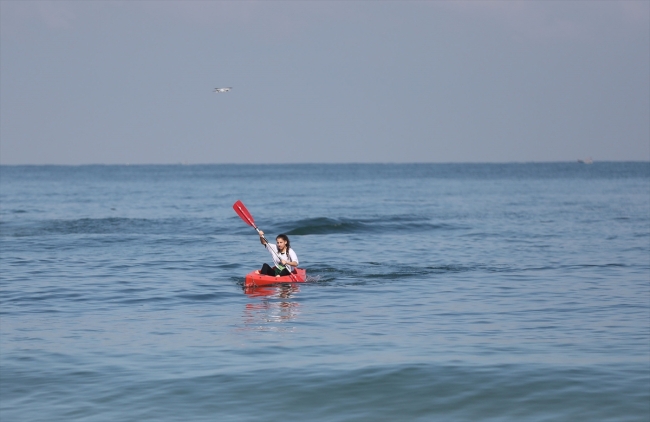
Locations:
{"points": [[243, 213]]}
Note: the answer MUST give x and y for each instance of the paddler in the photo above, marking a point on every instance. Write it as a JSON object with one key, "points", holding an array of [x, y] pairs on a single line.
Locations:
{"points": [[284, 258]]}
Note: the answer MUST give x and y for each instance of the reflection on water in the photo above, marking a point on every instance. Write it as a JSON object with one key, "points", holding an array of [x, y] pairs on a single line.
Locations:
{"points": [[275, 304]]}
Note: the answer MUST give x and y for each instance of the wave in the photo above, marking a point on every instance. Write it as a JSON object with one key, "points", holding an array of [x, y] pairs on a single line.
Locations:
{"points": [[110, 225], [415, 392], [16, 211], [208, 226], [324, 225], [373, 272]]}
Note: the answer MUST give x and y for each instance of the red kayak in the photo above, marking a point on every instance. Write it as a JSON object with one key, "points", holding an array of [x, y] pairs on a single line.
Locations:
{"points": [[298, 276]]}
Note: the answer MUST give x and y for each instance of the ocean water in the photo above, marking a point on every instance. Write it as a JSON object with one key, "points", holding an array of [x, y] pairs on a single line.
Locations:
{"points": [[437, 292]]}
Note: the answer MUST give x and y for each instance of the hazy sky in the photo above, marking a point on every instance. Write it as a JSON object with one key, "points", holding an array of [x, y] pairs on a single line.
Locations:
{"points": [[459, 81]]}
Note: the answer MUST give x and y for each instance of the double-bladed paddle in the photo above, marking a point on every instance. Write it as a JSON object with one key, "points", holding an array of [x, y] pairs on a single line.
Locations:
{"points": [[243, 213]]}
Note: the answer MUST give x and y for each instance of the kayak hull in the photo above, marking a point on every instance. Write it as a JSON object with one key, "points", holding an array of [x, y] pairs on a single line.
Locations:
{"points": [[252, 279]]}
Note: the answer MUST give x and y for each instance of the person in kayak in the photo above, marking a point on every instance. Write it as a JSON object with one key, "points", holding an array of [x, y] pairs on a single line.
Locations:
{"points": [[284, 258]]}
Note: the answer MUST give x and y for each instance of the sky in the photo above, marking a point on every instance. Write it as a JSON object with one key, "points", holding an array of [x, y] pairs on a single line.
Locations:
{"points": [[131, 82]]}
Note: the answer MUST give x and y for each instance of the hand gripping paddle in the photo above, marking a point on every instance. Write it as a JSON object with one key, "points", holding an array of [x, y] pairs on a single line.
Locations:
{"points": [[243, 213]]}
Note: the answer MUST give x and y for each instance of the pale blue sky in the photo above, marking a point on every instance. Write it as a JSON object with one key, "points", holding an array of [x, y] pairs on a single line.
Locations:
{"points": [[467, 81]]}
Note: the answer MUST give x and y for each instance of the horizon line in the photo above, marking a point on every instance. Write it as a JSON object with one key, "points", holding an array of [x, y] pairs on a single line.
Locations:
{"points": [[185, 163]]}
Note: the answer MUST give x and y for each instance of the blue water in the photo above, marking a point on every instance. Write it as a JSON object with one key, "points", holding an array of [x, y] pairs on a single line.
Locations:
{"points": [[451, 292]]}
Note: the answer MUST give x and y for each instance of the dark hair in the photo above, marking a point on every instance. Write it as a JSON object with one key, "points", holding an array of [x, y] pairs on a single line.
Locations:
{"points": [[286, 239]]}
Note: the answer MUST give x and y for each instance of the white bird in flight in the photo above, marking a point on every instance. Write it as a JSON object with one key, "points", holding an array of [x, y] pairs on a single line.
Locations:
{"points": [[218, 90]]}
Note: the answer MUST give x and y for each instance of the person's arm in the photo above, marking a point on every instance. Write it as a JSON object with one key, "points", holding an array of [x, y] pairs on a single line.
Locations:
{"points": [[262, 240], [293, 256], [292, 263]]}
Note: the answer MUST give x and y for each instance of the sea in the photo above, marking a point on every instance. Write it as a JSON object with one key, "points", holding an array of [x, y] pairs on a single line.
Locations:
{"points": [[435, 292]]}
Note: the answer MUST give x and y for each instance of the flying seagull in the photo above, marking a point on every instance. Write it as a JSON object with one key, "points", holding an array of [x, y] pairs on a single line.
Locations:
{"points": [[218, 90]]}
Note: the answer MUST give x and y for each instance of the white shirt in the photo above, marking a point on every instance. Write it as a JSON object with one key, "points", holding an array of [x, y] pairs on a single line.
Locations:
{"points": [[275, 254]]}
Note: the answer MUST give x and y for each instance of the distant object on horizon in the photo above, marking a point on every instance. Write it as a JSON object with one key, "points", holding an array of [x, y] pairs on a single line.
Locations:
{"points": [[218, 90], [587, 160]]}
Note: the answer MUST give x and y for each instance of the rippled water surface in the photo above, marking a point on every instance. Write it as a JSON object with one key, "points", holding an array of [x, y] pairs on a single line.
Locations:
{"points": [[455, 292]]}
